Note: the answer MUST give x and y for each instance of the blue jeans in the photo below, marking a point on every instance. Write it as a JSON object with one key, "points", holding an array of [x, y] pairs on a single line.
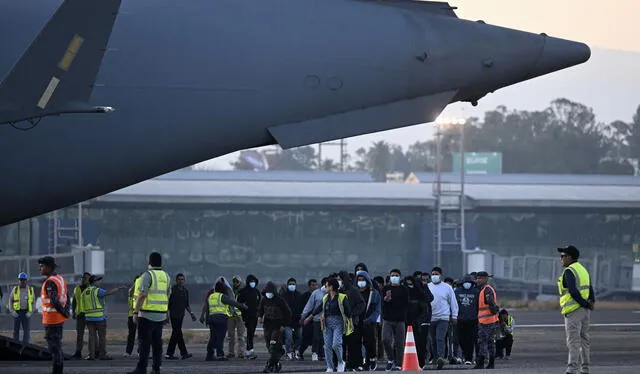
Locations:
{"points": [[23, 320], [333, 331], [292, 338], [438, 337]]}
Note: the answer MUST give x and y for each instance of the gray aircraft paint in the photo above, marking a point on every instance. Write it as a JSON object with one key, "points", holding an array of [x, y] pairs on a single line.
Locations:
{"points": [[193, 80]]}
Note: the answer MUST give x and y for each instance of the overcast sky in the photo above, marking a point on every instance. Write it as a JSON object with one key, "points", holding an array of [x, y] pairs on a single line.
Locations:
{"points": [[609, 82]]}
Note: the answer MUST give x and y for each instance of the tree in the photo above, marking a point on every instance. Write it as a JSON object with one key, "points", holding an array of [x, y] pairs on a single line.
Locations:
{"points": [[329, 165]]}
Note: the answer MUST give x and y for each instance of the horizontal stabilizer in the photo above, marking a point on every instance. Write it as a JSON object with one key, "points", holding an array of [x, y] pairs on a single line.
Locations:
{"points": [[441, 8], [364, 121], [57, 72]]}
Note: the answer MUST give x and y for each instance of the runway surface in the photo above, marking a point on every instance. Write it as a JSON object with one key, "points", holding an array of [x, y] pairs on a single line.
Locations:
{"points": [[539, 348]]}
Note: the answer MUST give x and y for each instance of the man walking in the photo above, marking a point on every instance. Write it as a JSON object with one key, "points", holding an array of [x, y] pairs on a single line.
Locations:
{"points": [[487, 321], [235, 324], [55, 310], [178, 303], [150, 313], [576, 302], [21, 308]]}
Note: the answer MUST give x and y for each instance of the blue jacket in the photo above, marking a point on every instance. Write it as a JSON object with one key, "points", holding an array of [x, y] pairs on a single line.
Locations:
{"points": [[373, 302]]}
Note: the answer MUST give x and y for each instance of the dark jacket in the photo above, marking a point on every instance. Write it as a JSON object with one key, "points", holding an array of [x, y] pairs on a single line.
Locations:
{"points": [[296, 303], [425, 317], [467, 300], [373, 300], [396, 309], [275, 311], [417, 302], [250, 297], [357, 305]]}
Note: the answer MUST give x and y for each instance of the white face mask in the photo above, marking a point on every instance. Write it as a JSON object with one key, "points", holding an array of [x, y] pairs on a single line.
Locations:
{"points": [[291, 287], [252, 284], [340, 283], [395, 279], [362, 284], [410, 285], [435, 279], [323, 289], [466, 285], [268, 295]]}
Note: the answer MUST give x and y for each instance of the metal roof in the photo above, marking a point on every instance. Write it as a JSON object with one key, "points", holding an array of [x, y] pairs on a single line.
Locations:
{"points": [[372, 194], [528, 179], [272, 193], [268, 176]]}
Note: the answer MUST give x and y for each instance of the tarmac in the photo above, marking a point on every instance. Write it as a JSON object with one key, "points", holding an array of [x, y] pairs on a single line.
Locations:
{"points": [[539, 348]]}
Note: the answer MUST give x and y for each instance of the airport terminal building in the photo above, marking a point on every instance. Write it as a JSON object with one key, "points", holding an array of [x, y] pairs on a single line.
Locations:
{"points": [[306, 224]]}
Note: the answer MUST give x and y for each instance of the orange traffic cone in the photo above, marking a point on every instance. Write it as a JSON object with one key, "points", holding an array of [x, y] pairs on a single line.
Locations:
{"points": [[410, 359]]}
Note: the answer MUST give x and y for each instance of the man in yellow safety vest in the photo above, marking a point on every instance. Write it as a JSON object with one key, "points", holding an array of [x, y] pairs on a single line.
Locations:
{"points": [[576, 302], [150, 313], [21, 307]]}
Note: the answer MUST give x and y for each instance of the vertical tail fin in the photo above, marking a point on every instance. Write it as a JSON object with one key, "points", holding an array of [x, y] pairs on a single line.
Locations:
{"points": [[57, 72]]}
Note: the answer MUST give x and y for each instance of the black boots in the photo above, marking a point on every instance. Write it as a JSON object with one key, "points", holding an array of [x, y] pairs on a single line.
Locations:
{"points": [[492, 359], [479, 362]]}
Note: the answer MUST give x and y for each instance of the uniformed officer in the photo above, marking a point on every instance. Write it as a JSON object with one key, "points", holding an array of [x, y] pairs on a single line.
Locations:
{"points": [[150, 313], [55, 310], [21, 307], [576, 303], [487, 321]]}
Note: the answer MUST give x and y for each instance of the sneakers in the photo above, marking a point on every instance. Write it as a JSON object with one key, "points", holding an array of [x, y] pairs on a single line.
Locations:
{"points": [[314, 356], [341, 366], [186, 356], [170, 357], [373, 365], [468, 363], [298, 356], [251, 355], [440, 363], [290, 356], [389, 366]]}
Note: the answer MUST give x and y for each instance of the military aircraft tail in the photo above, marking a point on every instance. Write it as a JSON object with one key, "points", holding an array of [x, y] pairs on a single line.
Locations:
{"points": [[57, 72]]}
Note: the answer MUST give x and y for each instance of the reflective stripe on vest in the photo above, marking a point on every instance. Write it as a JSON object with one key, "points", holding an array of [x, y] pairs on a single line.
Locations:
{"points": [[485, 316], [583, 283], [16, 299], [93, 308], [157, 300], [50, 316], [348, 323], [216, 306]]}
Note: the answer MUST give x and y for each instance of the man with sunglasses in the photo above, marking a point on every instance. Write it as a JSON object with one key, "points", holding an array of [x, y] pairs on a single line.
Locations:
{"points": [[576, 303]]}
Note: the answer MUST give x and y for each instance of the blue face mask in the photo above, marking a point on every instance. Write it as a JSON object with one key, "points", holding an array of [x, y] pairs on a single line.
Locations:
{"points": [[362, 284], [435, 279], [291, 287], [252, 284], [466, 285], [394, 279], [269, 295]]}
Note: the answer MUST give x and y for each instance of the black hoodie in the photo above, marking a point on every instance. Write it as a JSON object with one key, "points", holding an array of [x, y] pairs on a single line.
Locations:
{"points": [[296, 303], [356, 302], [275, 311], [250, 297]]}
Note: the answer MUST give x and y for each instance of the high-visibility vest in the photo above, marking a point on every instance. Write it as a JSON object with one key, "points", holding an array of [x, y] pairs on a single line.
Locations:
{"points": [[77, 296], [216, 306], [157, 300], [15, 298], [485, 315], [93, 307], [131, 300], [348, 324], [583, 284], [50, 316]]}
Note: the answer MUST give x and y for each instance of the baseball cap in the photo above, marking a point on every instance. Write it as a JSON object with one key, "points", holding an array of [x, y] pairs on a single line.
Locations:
{"points": [[23, 275], [571, 251], [94, 278]]}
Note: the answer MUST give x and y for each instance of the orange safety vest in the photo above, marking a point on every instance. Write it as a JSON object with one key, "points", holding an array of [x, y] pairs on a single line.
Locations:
{"points": [[485, 317], [50, 316]]}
